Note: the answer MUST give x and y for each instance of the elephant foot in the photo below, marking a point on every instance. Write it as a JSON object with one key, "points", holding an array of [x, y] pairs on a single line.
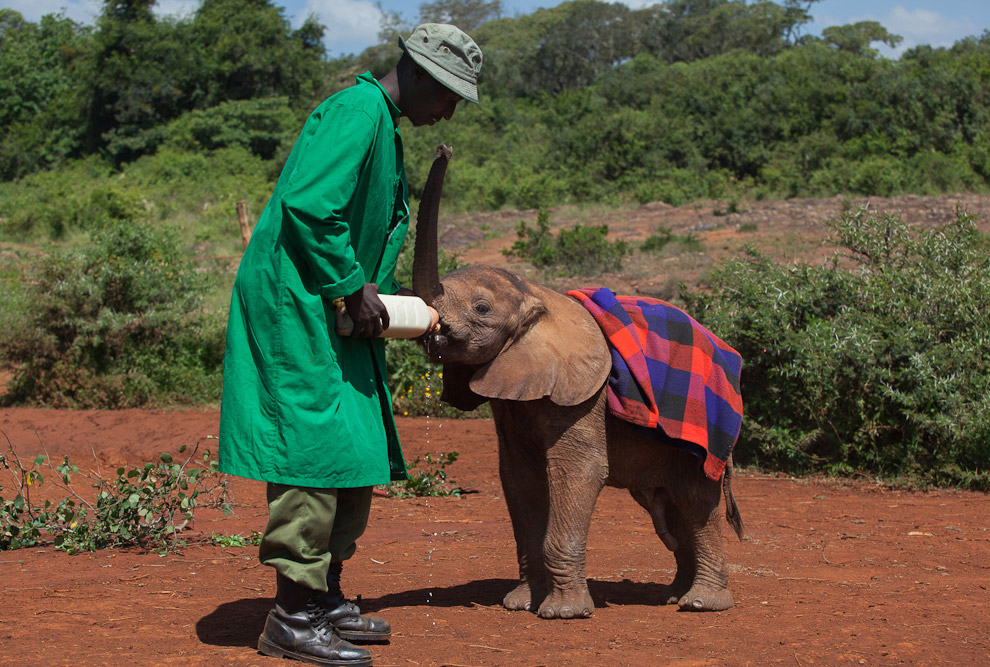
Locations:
{"points": [[672, 593], [700, 598], [519, 598], [574, 605]]}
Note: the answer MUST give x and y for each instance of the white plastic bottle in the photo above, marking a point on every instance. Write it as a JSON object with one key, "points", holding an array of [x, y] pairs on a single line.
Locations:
{"points": [[409, 317]]}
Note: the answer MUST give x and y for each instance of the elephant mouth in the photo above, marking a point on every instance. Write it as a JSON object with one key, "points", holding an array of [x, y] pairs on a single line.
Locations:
{"points": [[442, 347], [435, 346]]}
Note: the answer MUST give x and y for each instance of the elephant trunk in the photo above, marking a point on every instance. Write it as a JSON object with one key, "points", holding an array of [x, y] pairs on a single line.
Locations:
{"points": [[426, 275]]}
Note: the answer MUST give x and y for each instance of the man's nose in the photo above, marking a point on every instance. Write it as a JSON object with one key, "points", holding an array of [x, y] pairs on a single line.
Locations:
{"points": [[448, 114]]}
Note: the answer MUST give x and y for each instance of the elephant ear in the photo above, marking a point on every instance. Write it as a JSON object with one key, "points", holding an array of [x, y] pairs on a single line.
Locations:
{"points": [[456, 390], [561, 354]]}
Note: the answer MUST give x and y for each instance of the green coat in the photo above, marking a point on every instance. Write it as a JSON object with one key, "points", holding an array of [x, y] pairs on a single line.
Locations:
{"points": [[301, 405]]}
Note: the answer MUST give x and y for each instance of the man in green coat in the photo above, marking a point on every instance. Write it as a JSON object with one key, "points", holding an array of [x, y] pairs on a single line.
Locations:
{"points": [[304, 409]]}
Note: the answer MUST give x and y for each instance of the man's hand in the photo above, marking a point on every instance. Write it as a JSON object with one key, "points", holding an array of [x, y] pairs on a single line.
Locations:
{"points": [[367, 312]]}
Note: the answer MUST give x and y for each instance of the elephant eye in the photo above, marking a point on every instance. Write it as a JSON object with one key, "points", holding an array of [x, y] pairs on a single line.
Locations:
{"points": [[481, 308]]}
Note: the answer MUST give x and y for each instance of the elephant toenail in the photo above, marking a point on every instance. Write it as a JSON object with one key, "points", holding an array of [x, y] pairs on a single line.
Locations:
{"points": [[698, 604]]}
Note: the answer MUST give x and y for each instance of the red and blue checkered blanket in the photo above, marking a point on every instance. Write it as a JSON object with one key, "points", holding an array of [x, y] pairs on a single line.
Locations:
{"points": [[669, 372]]}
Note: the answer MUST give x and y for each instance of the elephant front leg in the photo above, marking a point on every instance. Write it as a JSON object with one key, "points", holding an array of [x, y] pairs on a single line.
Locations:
{"points": [[573, 492], [525, 489], [530, 590]]}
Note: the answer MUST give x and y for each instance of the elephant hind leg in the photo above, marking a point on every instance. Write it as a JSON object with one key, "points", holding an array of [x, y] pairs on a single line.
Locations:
{"points": [[709, 589], [673, 592], [705, 597], [701, 581]]}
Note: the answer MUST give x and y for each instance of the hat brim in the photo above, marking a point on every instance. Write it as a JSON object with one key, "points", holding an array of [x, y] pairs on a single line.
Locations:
{"points": [[465, 89]]}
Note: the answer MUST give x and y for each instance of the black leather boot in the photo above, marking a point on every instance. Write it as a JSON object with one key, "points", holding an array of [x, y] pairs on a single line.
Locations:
{"points": [[298, 627], [346, 616]]}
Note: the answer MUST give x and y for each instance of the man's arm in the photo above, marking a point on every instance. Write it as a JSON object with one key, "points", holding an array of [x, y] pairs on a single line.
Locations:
{"points": [[322, 184]]}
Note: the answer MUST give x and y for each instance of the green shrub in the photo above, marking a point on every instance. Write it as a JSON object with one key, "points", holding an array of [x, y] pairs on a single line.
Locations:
{"points": [[236, 540], [665, 238], [877, 361], [261, 126], [49, 204], [431, 480], [147, 506], [582, 250], [116, 325]]}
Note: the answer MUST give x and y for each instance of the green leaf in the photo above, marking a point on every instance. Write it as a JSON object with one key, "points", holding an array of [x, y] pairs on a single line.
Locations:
{"points": [[166, 458]]}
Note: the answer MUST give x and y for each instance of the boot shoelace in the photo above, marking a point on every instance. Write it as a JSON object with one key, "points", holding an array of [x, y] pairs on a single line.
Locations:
{"points": [[321, 620]]}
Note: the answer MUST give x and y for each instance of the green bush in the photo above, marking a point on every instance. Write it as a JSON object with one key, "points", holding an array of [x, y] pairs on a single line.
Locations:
{"points": [[876, 362], [261, 126], [146, 506], [430, 481], [582, 250], [115, 325], [664, 239]]}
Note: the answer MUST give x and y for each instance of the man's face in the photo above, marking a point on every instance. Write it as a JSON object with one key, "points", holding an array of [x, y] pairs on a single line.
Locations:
{"points": [[431, 100]]}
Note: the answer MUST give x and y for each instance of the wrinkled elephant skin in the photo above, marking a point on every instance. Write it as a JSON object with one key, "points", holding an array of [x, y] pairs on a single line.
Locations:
{"points": [[541, 360]]}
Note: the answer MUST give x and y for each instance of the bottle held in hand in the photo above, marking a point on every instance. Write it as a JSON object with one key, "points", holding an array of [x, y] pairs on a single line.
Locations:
{"points": [[409, 317]]}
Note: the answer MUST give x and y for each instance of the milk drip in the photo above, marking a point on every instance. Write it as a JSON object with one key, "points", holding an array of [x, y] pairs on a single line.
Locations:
{"points": [[409, 317]]}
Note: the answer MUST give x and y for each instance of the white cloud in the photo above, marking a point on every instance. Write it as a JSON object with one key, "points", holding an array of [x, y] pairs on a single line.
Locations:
{"points": [[922, 26], [638, 4], [916, 26], [352, 25]]}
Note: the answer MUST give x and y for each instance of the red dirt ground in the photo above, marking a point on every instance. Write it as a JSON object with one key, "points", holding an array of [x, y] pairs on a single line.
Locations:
{"points": [[829, 573]]}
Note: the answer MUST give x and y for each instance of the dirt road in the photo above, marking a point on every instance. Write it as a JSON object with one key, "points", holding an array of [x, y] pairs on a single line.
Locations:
{"points": [[829, 573]]}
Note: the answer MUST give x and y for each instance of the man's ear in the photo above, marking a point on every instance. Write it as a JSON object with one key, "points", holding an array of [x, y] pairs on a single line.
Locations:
{"points": [[420, 74]]}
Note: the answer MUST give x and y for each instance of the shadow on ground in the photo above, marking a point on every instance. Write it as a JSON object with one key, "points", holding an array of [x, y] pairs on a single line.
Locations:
{"points": [[236, 623], [489, 592]]}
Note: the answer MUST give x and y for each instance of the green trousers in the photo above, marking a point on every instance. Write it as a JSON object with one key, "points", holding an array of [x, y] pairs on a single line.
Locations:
{"points": [[309, 528]]}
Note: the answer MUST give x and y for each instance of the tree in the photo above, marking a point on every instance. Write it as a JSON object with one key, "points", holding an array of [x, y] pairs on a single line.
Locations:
{"points": [[148, 71], [799, 13], [687, 30], [465, 14], [138, 79], [856, 38], [39, 112], [592, 38], [249, 50]]}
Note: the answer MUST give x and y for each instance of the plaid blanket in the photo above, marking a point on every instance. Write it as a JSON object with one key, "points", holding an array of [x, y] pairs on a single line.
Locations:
{"points": [[669, 372]]}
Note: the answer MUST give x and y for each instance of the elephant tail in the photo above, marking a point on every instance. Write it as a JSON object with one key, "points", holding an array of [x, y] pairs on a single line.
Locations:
{"points": [[731, 509]]}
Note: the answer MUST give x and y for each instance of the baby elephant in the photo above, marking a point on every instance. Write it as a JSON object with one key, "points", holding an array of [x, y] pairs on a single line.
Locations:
{"points": [[543, 362]]}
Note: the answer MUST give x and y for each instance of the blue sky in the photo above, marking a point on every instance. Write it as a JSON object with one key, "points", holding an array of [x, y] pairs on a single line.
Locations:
{"points": [[352, 25]]}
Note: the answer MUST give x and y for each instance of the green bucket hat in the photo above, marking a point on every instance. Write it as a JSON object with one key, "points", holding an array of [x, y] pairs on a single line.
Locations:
{"points": [[448, 54]]}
